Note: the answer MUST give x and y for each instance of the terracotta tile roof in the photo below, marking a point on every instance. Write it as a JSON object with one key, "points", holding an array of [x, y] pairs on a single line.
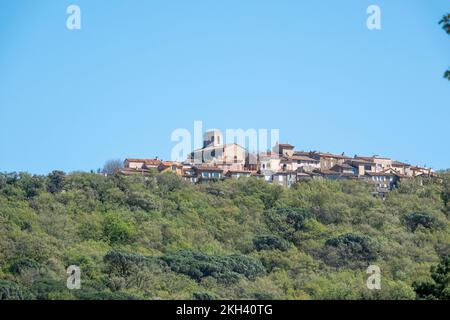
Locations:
{"points": [[379, 174], [344, 166], [208, 168], [328, 155], [302, 174], [360, 161], [372, 158], [338, 174], [399, 164], [279, 173], [239, 171], [170, 163], [303, 158], [286, 145]]}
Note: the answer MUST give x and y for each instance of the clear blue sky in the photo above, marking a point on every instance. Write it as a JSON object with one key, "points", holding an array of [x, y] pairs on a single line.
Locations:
{"points": [[138, 69]]}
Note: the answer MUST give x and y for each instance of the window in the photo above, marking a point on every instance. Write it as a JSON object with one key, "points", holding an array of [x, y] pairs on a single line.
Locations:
{"points": [[174, 168]]}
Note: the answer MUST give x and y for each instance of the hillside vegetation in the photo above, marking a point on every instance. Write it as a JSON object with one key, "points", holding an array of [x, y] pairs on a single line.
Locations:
{"points": [[162, 238]]}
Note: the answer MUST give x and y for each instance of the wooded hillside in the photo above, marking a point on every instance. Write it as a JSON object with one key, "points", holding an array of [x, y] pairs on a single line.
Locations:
{"points": [[160, 237]]}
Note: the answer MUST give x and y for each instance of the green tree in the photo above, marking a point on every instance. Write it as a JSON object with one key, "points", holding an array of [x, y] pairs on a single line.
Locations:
{"points": [[439, 286], [415, 219], [445, 21], [55, 181], [12, 291]]}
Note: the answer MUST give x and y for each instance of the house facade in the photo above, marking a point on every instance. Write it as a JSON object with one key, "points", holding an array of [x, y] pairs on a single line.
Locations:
{"points": [[282, 166]]}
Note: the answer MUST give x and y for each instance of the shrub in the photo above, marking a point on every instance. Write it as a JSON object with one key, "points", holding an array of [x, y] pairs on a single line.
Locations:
{"points": [[12, 291], [55, 181], [286, 221], [439, 286], [22, 265], [350, 250], [270, 242], [203, 296], [227, 269], [118, 230], [122, 264], [416, 219]]}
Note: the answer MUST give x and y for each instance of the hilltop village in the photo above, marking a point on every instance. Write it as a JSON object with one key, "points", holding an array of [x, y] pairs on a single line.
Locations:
{"points": [[283, 165]]}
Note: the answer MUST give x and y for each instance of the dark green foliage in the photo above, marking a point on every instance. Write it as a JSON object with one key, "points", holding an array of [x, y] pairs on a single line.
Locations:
{"points": [[262, 296], [350, 250], [55, 181], [124, 264], [45, 288], [439, 287], [30, 184], [415, 219], [158, 237], [24, 264], [203, 296], [445, 22], [226, 269], [104, 295], [445, 194], [12, 291], [270, 242], [286, 221]]}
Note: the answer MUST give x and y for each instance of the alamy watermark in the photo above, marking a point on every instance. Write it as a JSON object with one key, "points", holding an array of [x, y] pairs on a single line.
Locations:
{"points": [[193, 145], [373, 21], [74, 280], [374, 280], [73, 21]]}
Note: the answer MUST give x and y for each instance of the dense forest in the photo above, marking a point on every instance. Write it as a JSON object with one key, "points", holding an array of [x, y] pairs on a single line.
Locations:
{"points": [[159, 237]]}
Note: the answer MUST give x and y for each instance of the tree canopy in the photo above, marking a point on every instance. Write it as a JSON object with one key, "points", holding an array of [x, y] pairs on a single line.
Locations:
{"points": [[159, 237]]}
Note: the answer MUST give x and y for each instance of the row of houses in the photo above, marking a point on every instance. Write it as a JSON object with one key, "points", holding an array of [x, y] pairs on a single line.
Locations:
{"points": [[283, 165]]}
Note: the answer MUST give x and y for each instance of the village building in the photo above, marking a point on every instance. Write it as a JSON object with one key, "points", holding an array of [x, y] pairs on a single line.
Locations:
{"points": [[383, 181], [189, 173], [344, 168], [208, 173], [171, 166], [328, 160], [284, 178], [420, 172], [402, 168], [336, 175], [361, 166], [225, 156], [283, 166], [304, 163], [269, 164], [134, 163], [284, 149], [381, 164], [238, 174]]}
